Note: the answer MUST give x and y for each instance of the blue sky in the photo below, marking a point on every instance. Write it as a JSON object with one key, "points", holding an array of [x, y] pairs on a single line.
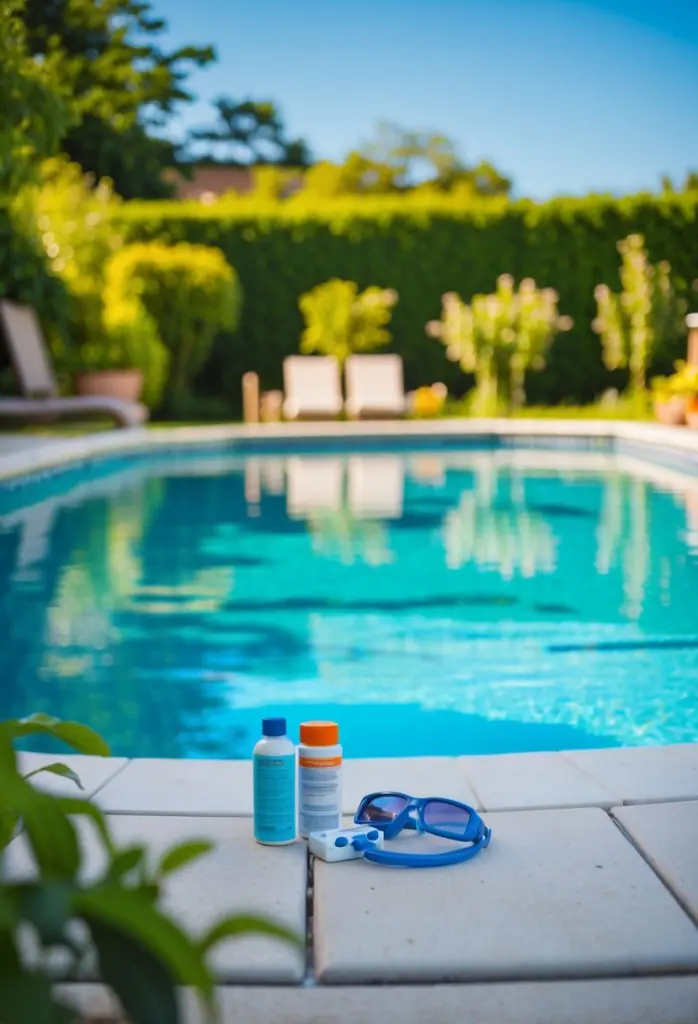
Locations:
{"points": [[565, 97]]}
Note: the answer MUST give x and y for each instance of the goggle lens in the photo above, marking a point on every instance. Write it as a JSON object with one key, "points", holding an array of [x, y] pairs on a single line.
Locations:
{"points": [[446, 817], [382, 809]]}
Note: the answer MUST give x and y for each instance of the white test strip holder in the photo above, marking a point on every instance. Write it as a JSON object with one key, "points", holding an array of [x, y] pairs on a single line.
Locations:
{"points": [[337, 845]]}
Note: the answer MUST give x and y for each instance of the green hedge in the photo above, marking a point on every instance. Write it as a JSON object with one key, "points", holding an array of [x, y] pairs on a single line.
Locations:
{"points": [[422, 248]]}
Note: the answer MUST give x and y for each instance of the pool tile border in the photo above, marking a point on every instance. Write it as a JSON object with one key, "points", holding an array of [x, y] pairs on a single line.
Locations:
{"points": [[676, 446]]}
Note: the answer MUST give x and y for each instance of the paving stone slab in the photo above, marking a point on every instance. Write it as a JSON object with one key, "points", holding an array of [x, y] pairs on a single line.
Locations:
{"points": [[615, 1001], [667, 834], [642, 775], [170, 786], [558, 894], [237, 876], [512, 782], [418, 776], [94, 772]]}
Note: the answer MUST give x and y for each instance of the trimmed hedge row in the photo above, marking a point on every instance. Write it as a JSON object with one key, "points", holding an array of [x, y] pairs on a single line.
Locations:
{"points": [[422, 247]]}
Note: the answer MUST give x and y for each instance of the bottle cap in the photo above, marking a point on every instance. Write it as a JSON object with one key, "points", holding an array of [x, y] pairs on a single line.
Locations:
{"points": [[319, 734], [273, 727]]}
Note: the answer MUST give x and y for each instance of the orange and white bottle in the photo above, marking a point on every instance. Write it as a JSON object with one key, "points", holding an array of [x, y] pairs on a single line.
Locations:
{"points": [[319, 777]]}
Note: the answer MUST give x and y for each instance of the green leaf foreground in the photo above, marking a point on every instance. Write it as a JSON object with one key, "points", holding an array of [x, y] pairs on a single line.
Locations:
{"points": [[247, 924], [57, 769], [80, 737], [132, 913], [183, 854], [143, 954], [146, 986]]}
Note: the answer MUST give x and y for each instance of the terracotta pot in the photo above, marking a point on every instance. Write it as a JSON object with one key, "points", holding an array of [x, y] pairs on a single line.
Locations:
{"points": [[124, 384], [672, 412]]}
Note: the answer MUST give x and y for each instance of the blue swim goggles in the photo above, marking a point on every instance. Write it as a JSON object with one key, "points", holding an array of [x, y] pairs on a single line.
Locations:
{"points": [[391, 812]]}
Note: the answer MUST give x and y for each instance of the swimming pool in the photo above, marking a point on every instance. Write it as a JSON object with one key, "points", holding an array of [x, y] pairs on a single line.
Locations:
{"points": [[434, 602]]}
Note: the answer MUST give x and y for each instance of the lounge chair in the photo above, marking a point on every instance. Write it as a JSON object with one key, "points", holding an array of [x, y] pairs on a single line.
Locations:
{"points": [[375, 387], [312, 388], [313, 485], [41, 401], [375, 486]]}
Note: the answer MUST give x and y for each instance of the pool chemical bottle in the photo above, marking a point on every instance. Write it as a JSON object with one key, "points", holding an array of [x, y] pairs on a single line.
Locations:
{"points": [[319, 777], [274, 784]]}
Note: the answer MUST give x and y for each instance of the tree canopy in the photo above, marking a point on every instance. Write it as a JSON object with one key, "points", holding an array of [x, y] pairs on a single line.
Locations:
{"points": [[124, 85], [252, 132], [417, 155], [33, 112]]}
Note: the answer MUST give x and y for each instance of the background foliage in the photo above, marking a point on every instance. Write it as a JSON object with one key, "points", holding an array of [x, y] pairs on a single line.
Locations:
{"points": [[123, 84], [423, 246], [189, 292]]}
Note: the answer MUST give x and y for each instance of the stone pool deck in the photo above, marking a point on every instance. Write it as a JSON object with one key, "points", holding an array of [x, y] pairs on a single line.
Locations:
{"points": [[585, 906]]}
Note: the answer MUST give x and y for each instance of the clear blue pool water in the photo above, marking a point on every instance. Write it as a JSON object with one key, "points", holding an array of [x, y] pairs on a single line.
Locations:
{"points": [[433, 602]]}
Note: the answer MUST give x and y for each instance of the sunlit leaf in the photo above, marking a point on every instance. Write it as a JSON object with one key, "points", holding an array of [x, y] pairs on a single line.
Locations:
{"points": [[178, 856], [79, 737], [246, 924], [126, 861], [57, 769]]}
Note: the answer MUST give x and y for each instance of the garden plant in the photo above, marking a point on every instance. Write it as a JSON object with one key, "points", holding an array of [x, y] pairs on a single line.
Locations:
{"points": [[499, 338], [141, 951], [341, 320], [646, 315]]}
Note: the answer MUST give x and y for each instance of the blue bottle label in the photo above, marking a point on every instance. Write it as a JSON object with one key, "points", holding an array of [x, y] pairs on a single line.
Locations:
{"points": [[274, 798]]}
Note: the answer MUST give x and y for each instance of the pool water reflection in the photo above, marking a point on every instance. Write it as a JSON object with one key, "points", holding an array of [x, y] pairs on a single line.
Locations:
{"points": [[434, 603]]}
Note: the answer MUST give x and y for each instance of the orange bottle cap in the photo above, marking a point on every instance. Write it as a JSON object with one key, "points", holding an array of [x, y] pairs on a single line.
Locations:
{"points": [[319, 734]]}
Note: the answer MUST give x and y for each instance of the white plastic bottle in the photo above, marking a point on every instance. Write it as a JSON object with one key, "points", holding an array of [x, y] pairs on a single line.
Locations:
{"points": [[274, 785], [319, 777]]}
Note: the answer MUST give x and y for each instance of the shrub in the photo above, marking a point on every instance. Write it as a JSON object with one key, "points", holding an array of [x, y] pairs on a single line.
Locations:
{"points": [[499, 338], [142, 952], [73, 218], [340, 321], [189, 291], [422, 247], [131, 342], [644, 315]]}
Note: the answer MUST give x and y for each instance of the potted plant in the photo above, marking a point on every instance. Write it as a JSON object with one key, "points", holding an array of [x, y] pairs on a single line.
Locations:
{"points": [[126, 358], [676, 396]]}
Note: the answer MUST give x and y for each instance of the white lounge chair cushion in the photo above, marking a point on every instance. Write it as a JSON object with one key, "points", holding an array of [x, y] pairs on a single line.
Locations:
{"points": [[376, 384], [312, 386]]}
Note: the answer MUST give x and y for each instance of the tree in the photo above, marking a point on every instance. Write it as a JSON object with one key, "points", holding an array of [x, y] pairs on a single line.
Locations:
{"points": [[124, 85], [33, 113], [408, 154], [690, 183], [252, 132], [405, 151]]}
